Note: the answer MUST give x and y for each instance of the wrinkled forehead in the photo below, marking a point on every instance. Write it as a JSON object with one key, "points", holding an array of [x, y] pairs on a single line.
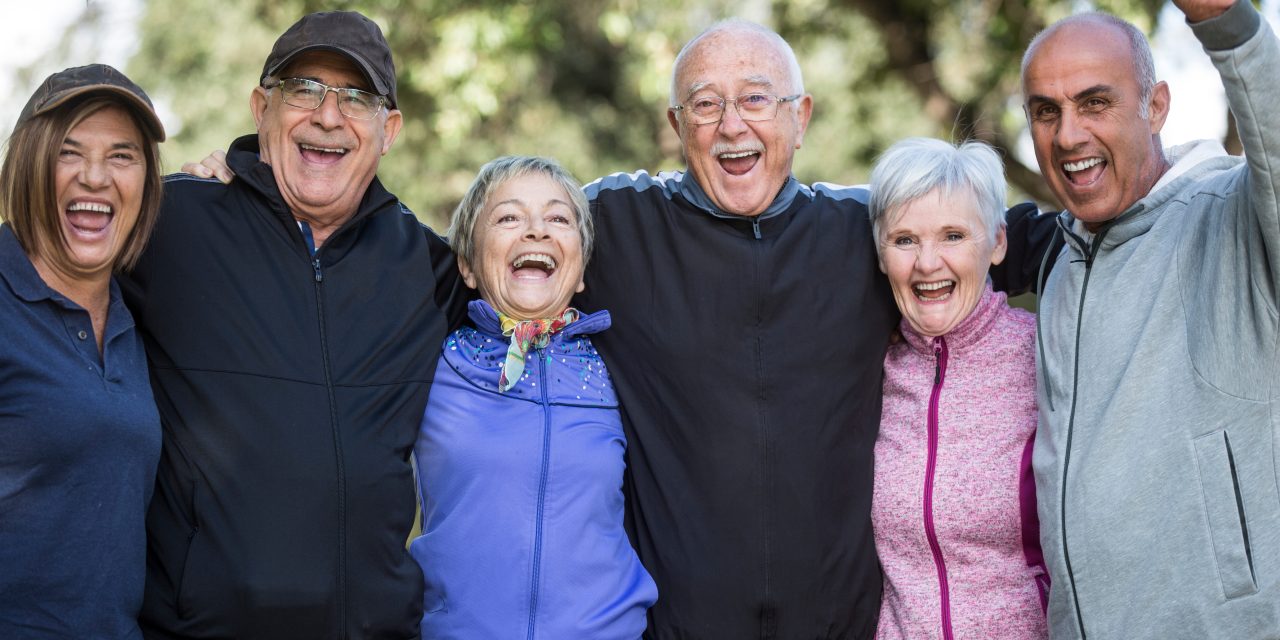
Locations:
{"points": [[730, 60]]}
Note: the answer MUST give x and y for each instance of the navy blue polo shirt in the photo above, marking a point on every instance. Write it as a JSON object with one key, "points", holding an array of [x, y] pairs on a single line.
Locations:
{"points": [[79, 443]]}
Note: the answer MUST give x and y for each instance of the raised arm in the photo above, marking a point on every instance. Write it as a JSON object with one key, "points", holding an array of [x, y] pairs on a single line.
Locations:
{"points": [[1247, 55]]}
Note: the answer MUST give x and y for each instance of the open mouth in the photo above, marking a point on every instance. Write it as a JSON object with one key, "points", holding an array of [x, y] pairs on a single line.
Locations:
{"points": [[533, 266], [321, 155], [737, 163], [934, 291], [89, 218], [1084, 172]]}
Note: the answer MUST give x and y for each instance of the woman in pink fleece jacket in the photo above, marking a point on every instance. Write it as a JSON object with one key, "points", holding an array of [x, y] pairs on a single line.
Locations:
{"points": [[953, 508]]}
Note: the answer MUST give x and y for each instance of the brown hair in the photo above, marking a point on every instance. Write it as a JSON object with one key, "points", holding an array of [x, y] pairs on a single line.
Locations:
{"points": [[28, 184]]}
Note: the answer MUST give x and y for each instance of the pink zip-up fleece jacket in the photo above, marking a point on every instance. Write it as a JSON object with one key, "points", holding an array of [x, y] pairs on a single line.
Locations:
{"points": [[953, 508]]}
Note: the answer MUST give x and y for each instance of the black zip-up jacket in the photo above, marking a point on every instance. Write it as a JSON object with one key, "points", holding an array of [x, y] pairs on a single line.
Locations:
{"points": [[290, 390], [747, 354]]}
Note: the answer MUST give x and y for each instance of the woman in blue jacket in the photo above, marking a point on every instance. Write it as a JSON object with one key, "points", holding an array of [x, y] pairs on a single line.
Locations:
{"points": [[520, 453]]}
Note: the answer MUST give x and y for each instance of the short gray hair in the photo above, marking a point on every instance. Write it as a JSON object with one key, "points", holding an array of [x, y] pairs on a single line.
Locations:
{"points": [[738, 24], [1144, 66], [493, 175], [916, 167]]}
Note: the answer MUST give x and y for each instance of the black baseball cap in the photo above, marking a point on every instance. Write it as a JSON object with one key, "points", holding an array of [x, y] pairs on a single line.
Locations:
{"points": [[63, 86], [345, 32]]}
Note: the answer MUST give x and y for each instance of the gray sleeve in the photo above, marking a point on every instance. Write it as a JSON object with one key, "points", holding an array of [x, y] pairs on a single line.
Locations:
{"points": [[1251, 75], [1229, 30]]}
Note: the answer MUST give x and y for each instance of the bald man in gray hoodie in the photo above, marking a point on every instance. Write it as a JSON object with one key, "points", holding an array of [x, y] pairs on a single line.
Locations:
{"points": [[1156, 456]]}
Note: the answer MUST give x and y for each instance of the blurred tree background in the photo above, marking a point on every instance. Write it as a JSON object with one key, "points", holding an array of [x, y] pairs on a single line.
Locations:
{"points": [[586, 81]]}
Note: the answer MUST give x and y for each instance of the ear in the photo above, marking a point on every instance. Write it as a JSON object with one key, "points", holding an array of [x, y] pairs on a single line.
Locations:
{"points": [[1002, 246], [468, 276], [1158, 108], [391, 129], [804, 111], [674, 120], [259, 99], [582, 285]]}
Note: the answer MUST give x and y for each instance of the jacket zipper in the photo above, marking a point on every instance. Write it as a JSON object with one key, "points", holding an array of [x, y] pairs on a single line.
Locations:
{"points": [[337, 449], [1090, 252], [939, 375], [542, 495]]}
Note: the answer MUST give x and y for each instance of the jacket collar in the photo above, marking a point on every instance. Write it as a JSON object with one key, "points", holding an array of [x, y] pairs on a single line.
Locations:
{"points": [[486, 321], [1190, 162], [969, 331], [689, 188], [244, 159]]}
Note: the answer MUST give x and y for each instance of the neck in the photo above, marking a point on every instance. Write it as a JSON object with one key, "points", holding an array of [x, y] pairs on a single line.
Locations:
{"points": [[322, 229], [91, 291]]}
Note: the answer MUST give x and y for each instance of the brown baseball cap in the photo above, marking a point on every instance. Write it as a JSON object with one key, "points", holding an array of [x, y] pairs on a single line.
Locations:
{"points": [[63, 86], [345, 32]]}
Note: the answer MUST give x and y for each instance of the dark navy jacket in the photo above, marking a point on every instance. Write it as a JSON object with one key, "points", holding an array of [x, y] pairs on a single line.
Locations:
{"points": [[747, 358], [290, 390]]}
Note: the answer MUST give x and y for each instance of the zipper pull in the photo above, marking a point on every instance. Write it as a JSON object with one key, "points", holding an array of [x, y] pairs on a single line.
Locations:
{"points": [[755, 226], [315, 264], [937, 361]]}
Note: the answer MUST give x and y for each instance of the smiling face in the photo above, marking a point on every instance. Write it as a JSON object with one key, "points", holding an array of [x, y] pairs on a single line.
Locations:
{"points": [[1096, 151], [740, 165], [322, 160], [528, 249], [936, 252], [99, 179]]}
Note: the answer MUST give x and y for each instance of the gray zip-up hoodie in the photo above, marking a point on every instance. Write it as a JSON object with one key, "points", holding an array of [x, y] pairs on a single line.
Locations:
{"points": [[1156, 456]]}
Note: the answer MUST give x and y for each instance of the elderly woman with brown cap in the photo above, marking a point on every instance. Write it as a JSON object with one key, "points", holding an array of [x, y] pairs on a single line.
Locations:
{"points": [[79, 192]]}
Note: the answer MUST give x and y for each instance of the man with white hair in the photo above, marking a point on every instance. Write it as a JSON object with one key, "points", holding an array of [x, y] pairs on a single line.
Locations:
{"points": [[750, 327], [1156, 455]]}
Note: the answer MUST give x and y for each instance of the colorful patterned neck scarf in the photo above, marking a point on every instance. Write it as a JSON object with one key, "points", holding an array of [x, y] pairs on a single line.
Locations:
{"points": [[524, 335]]}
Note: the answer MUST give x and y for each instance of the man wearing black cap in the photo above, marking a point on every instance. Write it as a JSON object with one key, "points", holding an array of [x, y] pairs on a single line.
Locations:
{"points": [[292, 321]]}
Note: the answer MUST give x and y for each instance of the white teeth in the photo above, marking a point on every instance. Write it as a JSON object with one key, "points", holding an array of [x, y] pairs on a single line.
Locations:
{"points": [[323, 149], [1081, 165], [545, 260], [89, 206], [738, 154], [934, 286]]}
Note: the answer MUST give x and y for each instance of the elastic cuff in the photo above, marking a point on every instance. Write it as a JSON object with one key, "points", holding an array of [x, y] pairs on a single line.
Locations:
{"points": [[1229, 30]]}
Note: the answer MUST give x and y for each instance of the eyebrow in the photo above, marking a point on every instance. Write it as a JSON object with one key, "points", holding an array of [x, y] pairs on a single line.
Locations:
{"points": [[521, 203], [349, 86], [756, 79], [116, 145], [1079, 95]]}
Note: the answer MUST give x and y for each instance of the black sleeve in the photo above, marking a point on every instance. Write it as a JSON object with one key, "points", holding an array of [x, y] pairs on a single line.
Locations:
{"points": [[452, 294], [1031, 234]]}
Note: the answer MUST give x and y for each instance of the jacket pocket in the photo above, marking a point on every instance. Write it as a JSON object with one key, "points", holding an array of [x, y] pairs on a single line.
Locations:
{"points": [[203, 596], [1224, 506]]}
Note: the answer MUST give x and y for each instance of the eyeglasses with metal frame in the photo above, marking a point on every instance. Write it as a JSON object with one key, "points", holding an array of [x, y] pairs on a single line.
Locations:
{"points": [[752, 107], [304, 93]]}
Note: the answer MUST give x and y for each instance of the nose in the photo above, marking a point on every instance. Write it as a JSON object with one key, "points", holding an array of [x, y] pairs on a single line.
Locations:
{"points": [[94, 173], [928, 257], [1070, 133], [535, 228], [731, 122], [327, 115]]}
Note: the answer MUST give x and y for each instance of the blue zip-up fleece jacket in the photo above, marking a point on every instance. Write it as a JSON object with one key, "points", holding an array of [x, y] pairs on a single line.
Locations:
{"points": [[522, 504], [1155, 461]]}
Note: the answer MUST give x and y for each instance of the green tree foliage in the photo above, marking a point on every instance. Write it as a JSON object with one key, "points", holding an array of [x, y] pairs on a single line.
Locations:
{"points": [[586, 81]]}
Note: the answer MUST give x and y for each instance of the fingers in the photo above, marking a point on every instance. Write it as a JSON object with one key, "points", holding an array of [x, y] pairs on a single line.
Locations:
{"points": [[212, 166]]}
